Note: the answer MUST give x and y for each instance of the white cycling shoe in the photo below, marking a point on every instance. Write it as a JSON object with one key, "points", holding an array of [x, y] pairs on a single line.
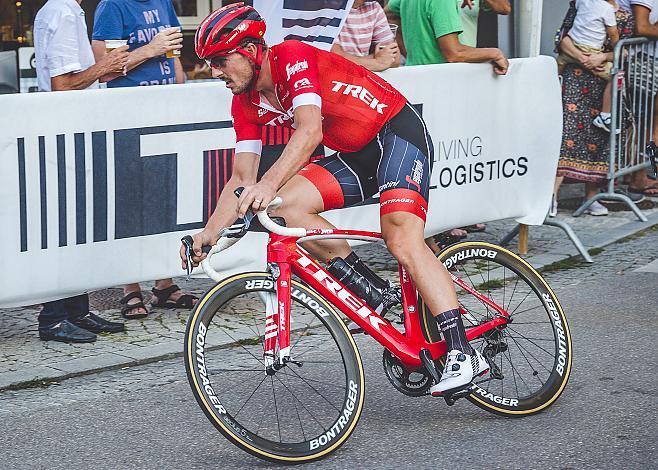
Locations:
{"points": [[459, 370]]}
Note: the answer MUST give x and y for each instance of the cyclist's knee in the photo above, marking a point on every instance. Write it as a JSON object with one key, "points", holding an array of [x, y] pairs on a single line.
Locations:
{"points": [[403, 235]]}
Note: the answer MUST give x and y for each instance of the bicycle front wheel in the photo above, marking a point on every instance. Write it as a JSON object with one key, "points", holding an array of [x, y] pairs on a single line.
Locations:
{"points": [[530, 357], [304, 411]]}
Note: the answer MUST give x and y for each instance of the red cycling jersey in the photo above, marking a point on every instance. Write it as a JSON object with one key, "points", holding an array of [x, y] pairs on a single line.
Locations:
{"points": [[355, 102]]}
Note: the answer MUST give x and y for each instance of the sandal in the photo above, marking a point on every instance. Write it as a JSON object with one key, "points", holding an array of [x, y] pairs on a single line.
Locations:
{"points": [[650, 190], [186, 301], [475, 228], [125, 311], [445, 239]]}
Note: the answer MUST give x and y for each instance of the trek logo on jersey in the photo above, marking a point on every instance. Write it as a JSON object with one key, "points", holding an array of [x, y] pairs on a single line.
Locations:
{"points": [[296, 67], [303, 83], [360, 93]]}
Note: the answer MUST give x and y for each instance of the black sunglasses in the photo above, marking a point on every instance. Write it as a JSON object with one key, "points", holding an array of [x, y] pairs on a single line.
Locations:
{"points": [[216, 62]]}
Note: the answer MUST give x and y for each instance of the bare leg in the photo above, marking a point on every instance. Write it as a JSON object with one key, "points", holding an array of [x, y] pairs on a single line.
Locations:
{"points": [[558, 183], [606, 106], [591, 190], [302, 203], [403, 233]]}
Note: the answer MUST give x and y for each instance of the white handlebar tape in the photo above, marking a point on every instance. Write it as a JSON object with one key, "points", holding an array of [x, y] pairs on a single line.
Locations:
{"points": [[267, 222]]}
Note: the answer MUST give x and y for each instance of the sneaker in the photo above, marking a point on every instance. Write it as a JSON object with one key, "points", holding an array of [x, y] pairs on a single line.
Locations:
{"points": [[604, 121], [459, 370], [552, 211], [597, 209]]}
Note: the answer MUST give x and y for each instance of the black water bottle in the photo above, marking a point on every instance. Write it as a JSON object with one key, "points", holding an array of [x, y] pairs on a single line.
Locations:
{"points": [[355, 282]]}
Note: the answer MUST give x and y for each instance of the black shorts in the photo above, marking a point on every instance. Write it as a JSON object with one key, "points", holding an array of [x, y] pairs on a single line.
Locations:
{"points": [[396, 163]]}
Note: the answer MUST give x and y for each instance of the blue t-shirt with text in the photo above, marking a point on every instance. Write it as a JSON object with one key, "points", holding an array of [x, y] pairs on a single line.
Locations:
{"points": [[137, 21]]}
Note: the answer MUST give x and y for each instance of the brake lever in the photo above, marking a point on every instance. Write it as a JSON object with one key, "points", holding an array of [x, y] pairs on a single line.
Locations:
{"points": [[248, 217], [188, 242]]}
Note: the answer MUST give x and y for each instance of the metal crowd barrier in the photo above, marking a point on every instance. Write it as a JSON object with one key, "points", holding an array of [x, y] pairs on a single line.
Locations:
{"points": [[633, 101]]}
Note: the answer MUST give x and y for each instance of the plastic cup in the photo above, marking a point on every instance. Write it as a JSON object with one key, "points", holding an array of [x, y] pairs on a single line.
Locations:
{"points": [[394, 29], [112, 44], [174, 52]]}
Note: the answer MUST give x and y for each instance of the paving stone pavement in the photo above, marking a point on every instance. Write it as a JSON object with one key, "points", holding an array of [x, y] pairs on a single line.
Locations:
{"points": [[24, 358]]}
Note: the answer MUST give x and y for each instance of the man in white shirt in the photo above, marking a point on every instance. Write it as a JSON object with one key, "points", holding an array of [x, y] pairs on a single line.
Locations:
{"points": [[63, 53], [65, 62]]}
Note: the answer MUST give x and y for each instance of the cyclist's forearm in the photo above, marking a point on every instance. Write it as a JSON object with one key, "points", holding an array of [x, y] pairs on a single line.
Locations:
{"points": [[226, 211], [294, 157]]}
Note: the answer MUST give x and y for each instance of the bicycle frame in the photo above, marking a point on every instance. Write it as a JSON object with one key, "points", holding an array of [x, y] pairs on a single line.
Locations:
{"points": [[285, 257]]}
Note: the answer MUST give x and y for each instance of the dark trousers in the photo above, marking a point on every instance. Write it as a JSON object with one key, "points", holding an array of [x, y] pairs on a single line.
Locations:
{"points": [[64, 309]]}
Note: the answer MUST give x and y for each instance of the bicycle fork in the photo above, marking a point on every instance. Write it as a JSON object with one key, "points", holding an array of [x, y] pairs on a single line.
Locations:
{"points": [[276, 348]]}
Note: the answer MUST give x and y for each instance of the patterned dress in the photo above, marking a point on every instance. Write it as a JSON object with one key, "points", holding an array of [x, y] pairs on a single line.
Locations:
{"points": [[584, 155]]}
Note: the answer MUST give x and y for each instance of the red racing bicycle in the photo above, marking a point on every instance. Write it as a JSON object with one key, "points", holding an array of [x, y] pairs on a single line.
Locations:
{"points": [[275, 369]]}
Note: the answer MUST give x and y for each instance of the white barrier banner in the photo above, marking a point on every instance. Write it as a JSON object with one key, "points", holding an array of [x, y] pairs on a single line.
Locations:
{"points": [[98, 186]]}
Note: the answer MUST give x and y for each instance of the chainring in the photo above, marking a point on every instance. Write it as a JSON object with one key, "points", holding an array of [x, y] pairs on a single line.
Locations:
{"points": [[415, 383]]}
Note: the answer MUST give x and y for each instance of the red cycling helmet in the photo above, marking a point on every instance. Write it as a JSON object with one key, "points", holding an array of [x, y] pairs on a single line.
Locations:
{"points": [[222, 31]]}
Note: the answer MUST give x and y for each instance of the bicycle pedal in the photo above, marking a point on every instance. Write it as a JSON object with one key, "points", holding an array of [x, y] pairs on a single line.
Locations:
{"points": [[451, 396], [430, 365]]}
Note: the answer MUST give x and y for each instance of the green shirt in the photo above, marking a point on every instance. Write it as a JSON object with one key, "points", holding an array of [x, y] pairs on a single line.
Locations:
{"points": [[423, 21], [469, 36]]}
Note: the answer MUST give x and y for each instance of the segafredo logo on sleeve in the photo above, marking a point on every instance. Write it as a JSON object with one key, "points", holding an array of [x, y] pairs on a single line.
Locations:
{"points": [[296, 67]]}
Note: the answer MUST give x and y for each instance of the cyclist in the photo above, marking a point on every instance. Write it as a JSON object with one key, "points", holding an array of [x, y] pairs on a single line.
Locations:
{"points": [[383, 146]]}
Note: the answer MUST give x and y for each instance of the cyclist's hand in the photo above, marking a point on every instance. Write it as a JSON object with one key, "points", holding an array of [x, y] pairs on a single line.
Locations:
{"points": [[500, 65], [165, 41], [256, 197], [201, 239]]}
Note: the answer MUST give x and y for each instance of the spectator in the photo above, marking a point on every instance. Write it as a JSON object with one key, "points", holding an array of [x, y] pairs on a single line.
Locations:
{"points": [[470, 14], [584, 156], [366, 28], [595, 22], [646, 24], [65, 62], [152, 30], [431, 35]]}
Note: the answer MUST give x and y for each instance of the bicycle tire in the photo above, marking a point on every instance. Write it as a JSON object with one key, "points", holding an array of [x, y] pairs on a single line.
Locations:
{"points": [[501, 271], [319, 324]]}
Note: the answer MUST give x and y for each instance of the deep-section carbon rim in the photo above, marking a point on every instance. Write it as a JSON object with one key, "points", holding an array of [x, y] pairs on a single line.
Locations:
{"points": [[530, 357], [303, 412]]}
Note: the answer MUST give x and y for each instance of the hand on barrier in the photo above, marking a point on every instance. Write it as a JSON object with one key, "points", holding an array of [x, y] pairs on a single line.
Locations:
{"points": [[115, 61], [500, 65], [166, 40]]}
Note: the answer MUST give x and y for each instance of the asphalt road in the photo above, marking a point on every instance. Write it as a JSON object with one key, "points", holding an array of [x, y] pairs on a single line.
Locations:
{"points": [[145, 417]]}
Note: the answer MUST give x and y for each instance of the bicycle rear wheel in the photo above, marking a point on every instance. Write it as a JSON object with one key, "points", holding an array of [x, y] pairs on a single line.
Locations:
{"points": [[303, 412], [531, 356]]}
